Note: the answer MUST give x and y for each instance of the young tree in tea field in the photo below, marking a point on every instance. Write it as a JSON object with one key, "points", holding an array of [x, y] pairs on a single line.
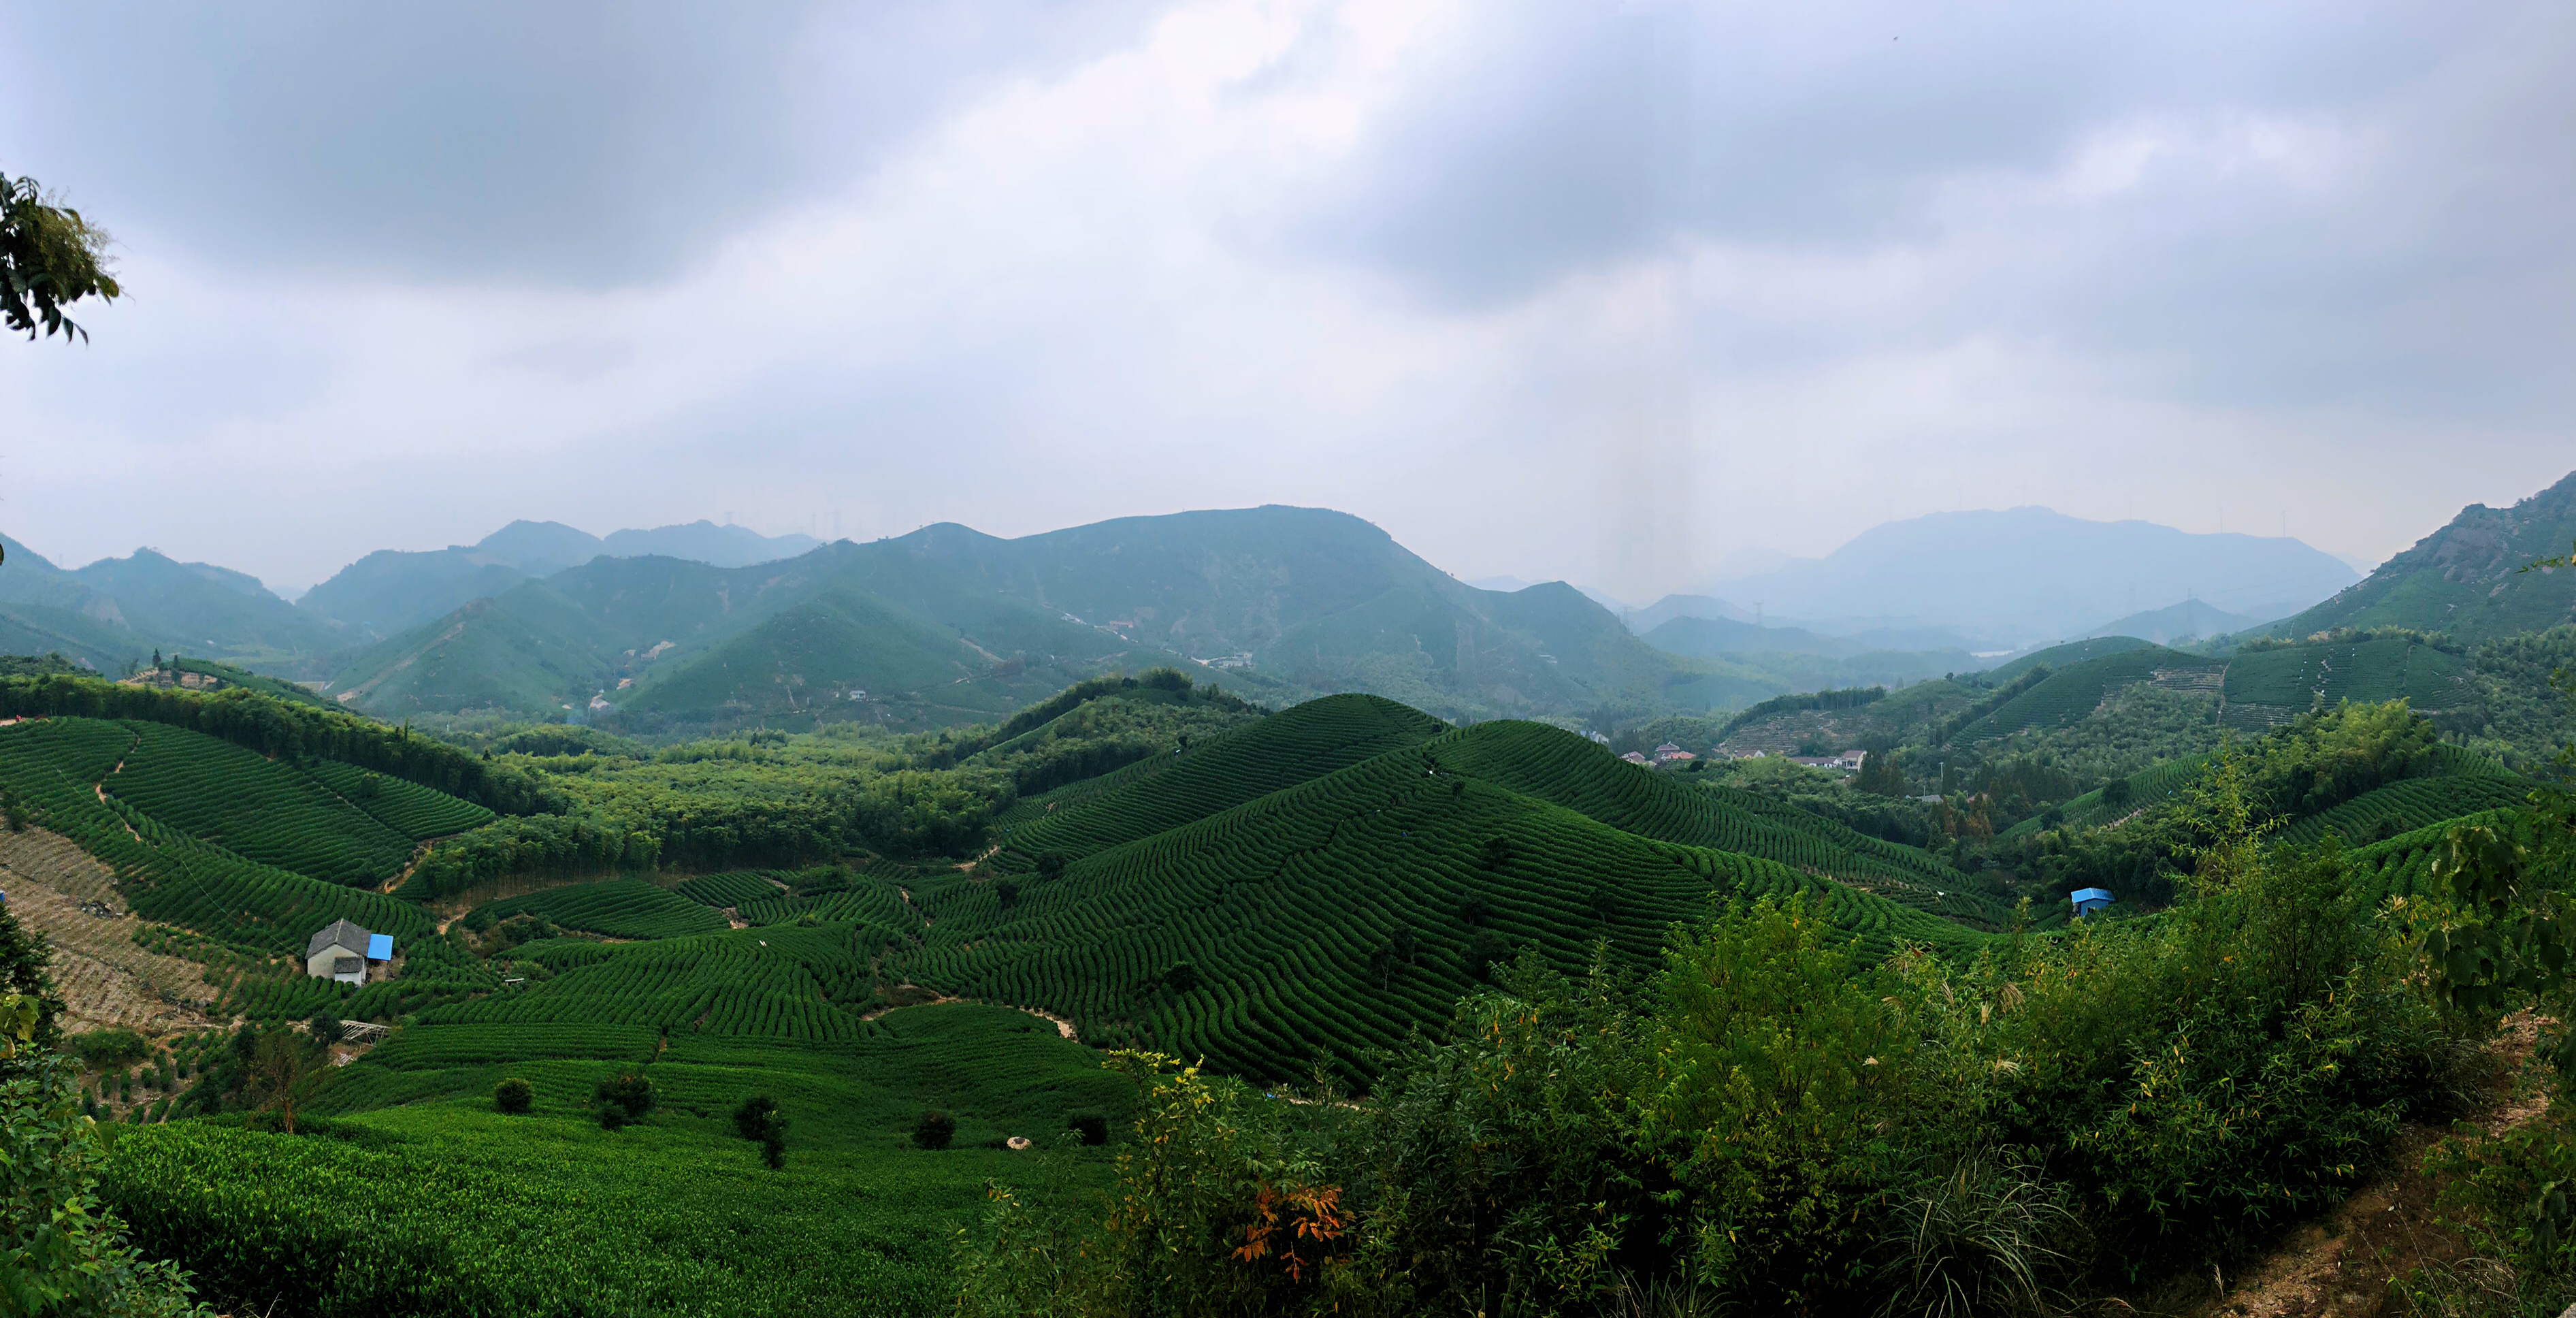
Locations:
{"points": [[760, 1119], [624, 1098]]}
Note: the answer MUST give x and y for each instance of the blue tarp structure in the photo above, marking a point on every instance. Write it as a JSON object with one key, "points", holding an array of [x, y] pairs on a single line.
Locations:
{"points": [[2089, 900], [380, 947]]}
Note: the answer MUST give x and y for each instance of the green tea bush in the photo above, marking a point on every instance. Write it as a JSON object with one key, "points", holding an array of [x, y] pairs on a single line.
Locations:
{"points": [[934, 1130]]}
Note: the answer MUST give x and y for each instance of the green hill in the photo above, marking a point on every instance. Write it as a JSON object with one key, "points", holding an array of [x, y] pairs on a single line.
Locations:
{"points": [[57, 766], [1337, 874], [2269, 686], [1330, 917], [2061, 656], [1300, 744], [2068, 694], [522, 651], [2463, 578], [1287, 602]]}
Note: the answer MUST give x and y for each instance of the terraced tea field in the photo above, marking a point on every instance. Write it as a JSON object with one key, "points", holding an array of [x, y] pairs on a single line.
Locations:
{"points": [[57, 766], [2067, 695], [512, 1214], [2367, 673], [255, 807], [1314, 739], [1310, 924], [619, 908], [2403, 807]]}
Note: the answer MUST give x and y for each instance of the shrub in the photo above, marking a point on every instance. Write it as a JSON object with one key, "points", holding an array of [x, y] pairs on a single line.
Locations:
{"points": [[760, 1119], [326, 1028], [1091, 1127], [624, 1098], [513, 1096], [935, 1130]]}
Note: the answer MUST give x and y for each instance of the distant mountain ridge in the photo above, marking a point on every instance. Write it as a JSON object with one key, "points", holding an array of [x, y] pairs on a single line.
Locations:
{"points": [[2177, 622], [949, 623], [393, 589], [121, 609], [2030, 574]]}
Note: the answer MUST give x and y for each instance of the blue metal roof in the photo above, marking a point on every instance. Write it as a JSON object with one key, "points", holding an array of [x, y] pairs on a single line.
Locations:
{"points": [[380, 947], [2091, 895]]}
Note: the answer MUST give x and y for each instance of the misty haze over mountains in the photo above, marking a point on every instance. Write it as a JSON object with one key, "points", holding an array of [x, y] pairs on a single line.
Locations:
{"points": [[2006, 579]]}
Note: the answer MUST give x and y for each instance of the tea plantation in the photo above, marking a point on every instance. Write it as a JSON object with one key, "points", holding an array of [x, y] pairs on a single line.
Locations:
{"points": [[2068, 694], [421, 1198], [1276, 929], [202, 882]]}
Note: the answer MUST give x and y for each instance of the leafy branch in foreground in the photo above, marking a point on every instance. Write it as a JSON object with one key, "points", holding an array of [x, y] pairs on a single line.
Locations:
{"points": [[50, 257]]}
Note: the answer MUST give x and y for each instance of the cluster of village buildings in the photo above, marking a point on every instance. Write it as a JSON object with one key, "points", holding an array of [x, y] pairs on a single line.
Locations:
{"points": [[1670, 756]]}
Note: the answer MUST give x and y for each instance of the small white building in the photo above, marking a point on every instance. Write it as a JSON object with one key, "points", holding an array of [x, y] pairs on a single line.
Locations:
{"points": [[339, 952]]}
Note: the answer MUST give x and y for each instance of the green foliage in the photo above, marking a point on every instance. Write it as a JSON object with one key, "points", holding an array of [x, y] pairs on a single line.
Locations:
{"points": [[530, 846], [621, 908], [61, 1252], [623, 1098], [49, 258], [107, 1050], [275, 728], [935, 1130], [27, 978], [1775, 1070], [514, 1096]]}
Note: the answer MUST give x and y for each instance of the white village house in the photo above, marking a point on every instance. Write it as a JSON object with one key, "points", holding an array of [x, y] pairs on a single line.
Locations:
{"points": [[342, 951]]}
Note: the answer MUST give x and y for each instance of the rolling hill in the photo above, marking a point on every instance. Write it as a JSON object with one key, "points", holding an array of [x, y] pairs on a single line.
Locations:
{"points": [[1315, 884], [948, 625], [391, 590], [119, 609], [2067, 695], [2463, 579], [2178, 622]]}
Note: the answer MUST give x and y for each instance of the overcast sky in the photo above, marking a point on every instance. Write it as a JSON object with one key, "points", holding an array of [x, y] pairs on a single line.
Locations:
{"points": [[1594, 290]]}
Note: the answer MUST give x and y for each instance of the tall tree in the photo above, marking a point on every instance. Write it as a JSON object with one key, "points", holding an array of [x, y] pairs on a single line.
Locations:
{"points": [[50, 257]]}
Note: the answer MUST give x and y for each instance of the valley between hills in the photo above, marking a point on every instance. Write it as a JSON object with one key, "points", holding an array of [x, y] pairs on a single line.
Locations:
{"points": [[1204, 913]]}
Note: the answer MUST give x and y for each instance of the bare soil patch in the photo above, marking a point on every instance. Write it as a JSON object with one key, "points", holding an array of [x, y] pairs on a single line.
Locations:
{"points": [[60, 891]]}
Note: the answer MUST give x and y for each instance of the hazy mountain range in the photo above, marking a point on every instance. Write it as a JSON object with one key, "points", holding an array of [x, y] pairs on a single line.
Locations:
{"points": [[2014, 578], [705, 623]]}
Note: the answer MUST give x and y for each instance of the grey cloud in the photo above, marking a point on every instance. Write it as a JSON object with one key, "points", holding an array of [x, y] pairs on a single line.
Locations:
{"points": [[587, 144], [1554, 138]]}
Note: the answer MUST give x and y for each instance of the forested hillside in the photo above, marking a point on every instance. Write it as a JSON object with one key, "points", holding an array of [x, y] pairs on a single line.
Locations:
{"points": [[2466, 579], [947, 626]]}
